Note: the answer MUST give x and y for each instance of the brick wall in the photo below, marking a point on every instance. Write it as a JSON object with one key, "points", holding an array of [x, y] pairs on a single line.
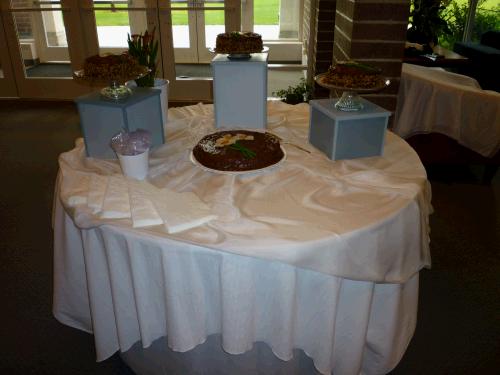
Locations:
{"points": [[324, 40], [373, 32]]}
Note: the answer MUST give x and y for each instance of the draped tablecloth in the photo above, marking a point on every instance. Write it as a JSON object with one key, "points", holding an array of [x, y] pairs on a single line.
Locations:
{"points": [[436, 101], [313, 254]]}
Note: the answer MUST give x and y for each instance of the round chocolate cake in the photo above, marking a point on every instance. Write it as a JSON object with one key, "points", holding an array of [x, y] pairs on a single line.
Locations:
{"points": [[238, 42], [238, 150], [108, 67], [353, 74]]}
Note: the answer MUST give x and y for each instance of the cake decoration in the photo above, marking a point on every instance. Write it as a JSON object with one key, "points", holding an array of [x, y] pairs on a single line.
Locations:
{"points": [[229, 139]]}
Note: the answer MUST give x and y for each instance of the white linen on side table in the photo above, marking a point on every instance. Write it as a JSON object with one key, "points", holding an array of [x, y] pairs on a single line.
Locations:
{"points": [[438, 101], [278, 265]]}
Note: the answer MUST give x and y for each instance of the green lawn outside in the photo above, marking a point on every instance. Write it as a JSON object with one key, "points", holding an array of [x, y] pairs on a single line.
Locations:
{"points": [[265, 13]]}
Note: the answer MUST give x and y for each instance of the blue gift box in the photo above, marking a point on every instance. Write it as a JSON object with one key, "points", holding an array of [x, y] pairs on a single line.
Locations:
{"points": [[347, 135], [240, 91], [101, 119]]}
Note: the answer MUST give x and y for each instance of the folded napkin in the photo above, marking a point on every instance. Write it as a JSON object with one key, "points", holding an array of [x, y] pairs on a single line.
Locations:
{"points": [[116, 203], [181, 211], [117, 197], [97, 188], [142, 209]]}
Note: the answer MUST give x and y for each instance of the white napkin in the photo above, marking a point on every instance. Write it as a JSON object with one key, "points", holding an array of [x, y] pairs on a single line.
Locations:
{"points": [[97, 188], [116, 204], [142, 209], [181, 211]]}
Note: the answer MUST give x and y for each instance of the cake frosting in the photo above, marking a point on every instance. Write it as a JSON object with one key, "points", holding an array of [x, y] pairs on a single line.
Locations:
{"points": [[238, 150], [352, 74], [238, 42]]}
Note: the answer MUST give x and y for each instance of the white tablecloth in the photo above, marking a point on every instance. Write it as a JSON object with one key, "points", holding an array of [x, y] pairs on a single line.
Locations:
{"points": [[433, 100], [317, 255]]}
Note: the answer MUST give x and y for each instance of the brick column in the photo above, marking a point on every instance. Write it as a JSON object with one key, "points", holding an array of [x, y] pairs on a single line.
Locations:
{"points": [[323, 44], [373, 32]]}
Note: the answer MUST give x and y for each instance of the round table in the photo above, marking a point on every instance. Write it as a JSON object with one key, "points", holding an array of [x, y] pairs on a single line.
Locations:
{"points": [[314, 262]]}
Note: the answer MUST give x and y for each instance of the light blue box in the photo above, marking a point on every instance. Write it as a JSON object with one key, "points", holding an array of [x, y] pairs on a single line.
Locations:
{"points": [[240, 91], [101, 119], [347, 135]]}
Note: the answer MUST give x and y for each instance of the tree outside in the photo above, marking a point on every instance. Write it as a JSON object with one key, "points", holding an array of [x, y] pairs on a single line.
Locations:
{"points": [[487, 19]]}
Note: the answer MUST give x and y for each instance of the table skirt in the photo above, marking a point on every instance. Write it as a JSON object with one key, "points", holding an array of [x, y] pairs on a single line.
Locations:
{"points": [[135, 291]]}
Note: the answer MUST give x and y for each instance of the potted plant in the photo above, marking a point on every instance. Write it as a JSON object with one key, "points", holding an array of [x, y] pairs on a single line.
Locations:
{"points": [[427, 22], [295, 94], [144, 48]]}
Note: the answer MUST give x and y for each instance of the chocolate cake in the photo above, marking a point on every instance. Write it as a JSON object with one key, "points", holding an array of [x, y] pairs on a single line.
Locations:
{"points": [[353, 74], [238, 42], [238, 150], [108, 67]]}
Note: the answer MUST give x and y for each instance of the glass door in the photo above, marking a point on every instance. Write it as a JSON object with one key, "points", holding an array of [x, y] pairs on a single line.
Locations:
{"points": [[211, 20], [184, 32], [280, 24], [38, 35], [189, 29], [108, 23], [195, 25]]}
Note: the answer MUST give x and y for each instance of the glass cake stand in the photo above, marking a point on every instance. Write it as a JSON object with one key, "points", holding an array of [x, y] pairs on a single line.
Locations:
{"points": [[114, 88], [349, 100]]}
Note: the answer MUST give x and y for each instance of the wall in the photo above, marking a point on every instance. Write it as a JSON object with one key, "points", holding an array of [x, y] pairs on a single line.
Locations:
{"points": [[368, 31]]}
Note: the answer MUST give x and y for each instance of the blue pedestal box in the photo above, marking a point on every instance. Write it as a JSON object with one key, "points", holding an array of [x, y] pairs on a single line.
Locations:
{"points": [[347, 135], [101, 119], [240, 91]]}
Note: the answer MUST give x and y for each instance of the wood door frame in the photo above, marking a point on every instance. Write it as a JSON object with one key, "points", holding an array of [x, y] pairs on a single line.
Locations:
{"points": [[8, 87]]}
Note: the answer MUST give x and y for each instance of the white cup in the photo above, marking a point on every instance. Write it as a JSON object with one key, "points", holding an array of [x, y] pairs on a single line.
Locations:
{"points": [[135, 166]]}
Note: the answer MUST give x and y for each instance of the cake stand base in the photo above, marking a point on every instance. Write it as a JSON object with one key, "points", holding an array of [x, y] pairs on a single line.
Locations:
{"points": [[349, 102], [116, 91]]}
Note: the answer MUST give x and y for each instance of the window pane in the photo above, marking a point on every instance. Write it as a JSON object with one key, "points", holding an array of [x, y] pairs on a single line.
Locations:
{"points": [[180, 28], [277, 19], [116, 21], [214, 22], [266, 18]]}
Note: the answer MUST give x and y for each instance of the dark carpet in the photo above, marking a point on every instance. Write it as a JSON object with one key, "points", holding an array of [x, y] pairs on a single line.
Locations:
{"points": [[458, 329]]}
